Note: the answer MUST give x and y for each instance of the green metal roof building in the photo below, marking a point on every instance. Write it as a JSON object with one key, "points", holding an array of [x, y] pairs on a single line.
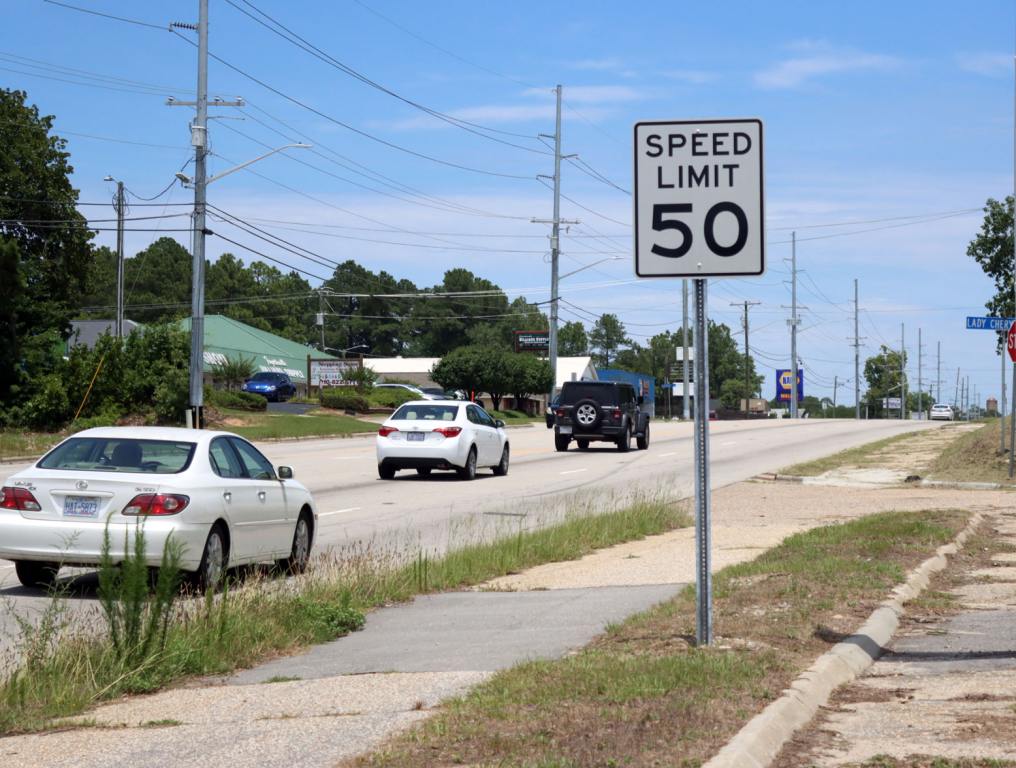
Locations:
{"points": [[226, 337]]}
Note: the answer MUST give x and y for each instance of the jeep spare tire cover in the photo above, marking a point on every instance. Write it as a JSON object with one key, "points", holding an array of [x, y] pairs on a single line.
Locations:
{"points": [[586, 415]]}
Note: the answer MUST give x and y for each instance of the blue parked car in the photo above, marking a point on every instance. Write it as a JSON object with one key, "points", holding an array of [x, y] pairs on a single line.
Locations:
{"points": [[272, 385]]}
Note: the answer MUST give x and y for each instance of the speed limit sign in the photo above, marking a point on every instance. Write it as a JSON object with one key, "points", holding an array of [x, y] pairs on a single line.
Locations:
{"points": [[699, 198]]}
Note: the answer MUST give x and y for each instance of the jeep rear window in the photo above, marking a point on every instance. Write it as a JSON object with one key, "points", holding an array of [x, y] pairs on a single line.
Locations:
{"points": [[605, 394]]}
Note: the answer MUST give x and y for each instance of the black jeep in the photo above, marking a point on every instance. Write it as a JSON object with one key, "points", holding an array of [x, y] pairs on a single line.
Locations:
{"points": [[599, 410]]}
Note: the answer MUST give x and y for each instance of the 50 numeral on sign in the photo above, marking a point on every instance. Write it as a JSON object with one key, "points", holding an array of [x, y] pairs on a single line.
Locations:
{"points": [[661, 224]]}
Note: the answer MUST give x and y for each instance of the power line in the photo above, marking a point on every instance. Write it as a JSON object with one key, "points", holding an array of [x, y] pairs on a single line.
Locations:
{"points": [[353, 129], [439, 48], [106, 15], [300, 42]]}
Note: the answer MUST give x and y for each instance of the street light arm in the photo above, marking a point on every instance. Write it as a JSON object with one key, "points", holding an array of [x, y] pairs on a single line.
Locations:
{"points": [[235, 168], [587, 266]]}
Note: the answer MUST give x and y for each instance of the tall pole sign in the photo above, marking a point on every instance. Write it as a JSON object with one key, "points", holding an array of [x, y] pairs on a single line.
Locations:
{"points": [[699, 213]]}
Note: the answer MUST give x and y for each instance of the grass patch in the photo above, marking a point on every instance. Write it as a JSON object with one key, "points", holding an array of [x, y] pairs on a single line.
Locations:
{"points": [[19, 443], [975, 457], [269, 426], [643, 695], [927, 761], [515, 417], [862, 456], [65, 669]]}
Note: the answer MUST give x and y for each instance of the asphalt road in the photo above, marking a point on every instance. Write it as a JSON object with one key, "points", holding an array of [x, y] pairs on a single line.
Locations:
{"points": [[356, 508]]}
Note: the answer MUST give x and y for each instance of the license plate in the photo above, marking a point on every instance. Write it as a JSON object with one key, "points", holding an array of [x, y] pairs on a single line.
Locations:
{"points": [[564, 430], [81, 506], [415, 437]]}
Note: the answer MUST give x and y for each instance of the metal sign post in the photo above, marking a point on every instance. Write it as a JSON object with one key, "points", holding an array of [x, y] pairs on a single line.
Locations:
{"points": [[698, 209], [1010, 344], [703, 495]]}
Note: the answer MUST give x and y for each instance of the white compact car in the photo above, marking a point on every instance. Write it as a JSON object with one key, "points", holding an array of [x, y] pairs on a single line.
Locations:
{"points": [[213, 492], [441, 434], [942, 411]]}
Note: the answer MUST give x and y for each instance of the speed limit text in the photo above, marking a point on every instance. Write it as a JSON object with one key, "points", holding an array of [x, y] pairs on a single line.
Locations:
{"points": [[682, 148]]}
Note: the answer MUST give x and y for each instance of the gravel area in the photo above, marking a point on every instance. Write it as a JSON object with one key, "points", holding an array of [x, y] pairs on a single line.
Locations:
{"points": [[748, 518]]}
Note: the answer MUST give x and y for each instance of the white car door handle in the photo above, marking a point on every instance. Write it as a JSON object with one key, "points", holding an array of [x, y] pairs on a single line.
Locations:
{"points": [[227, 495]]}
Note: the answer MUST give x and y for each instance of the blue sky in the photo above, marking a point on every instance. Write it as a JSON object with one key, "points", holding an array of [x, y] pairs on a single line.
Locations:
{"points": [[899, 115]]}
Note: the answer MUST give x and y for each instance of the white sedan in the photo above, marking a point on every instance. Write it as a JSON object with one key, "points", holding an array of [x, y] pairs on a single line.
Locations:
{"points": [[213, 492], [441, 434], [942, 411]]}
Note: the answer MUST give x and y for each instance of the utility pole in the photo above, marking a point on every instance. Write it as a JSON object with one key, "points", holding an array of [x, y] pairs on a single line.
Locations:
{"points": [[686, 407], [857, 360], [555, 241], [938, 374], [920, 395], [199, 140], [321, 315], [747, 384], [119, 259], [793, 325], [956, 391], [903, 370], [836, 386]]}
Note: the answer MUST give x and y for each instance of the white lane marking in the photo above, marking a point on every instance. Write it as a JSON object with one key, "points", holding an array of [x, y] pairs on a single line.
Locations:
{"points": [[665, 455], [337, 511], [572, 471]]}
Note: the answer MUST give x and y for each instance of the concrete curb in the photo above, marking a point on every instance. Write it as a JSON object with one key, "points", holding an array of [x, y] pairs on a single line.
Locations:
{"points": [[770, 477], [758, 742]]}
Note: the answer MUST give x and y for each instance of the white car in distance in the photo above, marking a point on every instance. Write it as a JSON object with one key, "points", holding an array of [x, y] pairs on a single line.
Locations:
{"points": [[441, 434], [941, 411], [213, 492]]}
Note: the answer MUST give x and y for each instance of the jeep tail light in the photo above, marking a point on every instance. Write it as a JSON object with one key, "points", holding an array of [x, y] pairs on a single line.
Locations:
{"points": [[385, 431], [156, 504], [18, 498], [560, 412], [449, 431]]}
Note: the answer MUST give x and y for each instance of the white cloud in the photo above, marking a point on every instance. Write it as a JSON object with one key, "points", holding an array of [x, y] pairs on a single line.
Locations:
{"points": [[598, 65], [819, 59], [987, 64], [595, 94], [691, 76]]}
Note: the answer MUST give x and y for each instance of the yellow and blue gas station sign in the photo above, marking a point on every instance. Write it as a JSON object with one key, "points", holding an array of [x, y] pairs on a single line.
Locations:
{"points": [[783, 385]]}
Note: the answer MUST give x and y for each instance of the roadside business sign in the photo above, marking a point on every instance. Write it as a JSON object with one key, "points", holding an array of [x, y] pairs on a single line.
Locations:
{"points": [[892, 403], [699, 198], [989, 323], [333, 373], [532, 341], [783, 384]]}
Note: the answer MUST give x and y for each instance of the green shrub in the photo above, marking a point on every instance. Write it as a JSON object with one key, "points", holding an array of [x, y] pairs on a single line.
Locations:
{"points": [[390, 397], [334, 619], [107, 418], [241, 401], [344, 399], [49, 408], [363, 378]]}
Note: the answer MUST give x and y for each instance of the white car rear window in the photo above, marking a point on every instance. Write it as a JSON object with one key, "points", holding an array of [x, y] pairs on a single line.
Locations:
{"points": [[418, 412], [118, 454]]}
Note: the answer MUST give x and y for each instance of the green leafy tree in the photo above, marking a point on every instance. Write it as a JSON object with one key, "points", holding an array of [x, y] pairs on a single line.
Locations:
{"points": [[157, 283], [476, 369], [99, 299], [607, 337], [46, 246], [527, 375], [992, 249], [572, 340], [882, 372]]}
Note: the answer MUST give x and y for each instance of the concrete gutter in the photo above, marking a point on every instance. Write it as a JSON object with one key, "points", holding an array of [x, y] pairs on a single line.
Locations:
{"points": [[757, 743]]}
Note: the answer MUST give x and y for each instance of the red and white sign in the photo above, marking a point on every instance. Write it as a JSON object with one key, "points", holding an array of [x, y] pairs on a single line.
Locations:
{"points": [[1010, 342]]}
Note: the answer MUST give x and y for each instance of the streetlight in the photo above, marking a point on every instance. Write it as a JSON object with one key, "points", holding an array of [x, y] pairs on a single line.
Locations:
{"points": [[200, 182], [587, 266], [344, 351]]}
